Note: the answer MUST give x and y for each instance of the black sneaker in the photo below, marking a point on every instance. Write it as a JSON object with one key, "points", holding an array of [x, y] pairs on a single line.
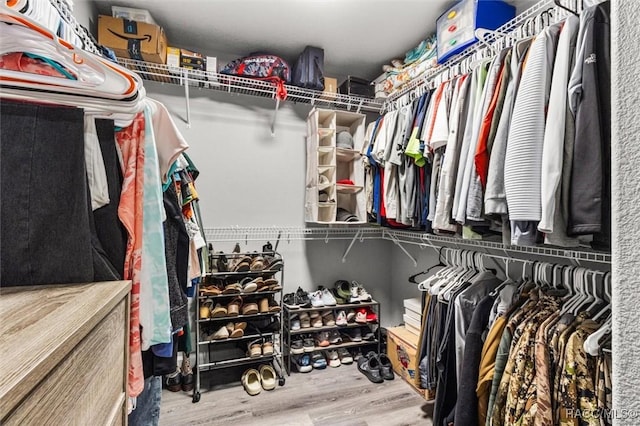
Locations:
{"points": [[173, 381], [297, 347], [370, 367], [386, 370], [308, 344], [291, 300], [368, 334], [303, 298]]}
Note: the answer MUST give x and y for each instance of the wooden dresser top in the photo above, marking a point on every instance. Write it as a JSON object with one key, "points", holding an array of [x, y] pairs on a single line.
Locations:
{"points": [[41, 325]]}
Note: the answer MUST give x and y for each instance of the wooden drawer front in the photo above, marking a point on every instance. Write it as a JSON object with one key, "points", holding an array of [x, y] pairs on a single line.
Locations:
{"points": [[86, 388]]}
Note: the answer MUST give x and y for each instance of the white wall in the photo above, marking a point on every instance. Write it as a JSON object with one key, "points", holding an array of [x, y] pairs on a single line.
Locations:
{"points": [[249, 178], [625, 175]]}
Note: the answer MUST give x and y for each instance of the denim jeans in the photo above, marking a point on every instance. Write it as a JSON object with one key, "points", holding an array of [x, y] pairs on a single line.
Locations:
{"points": [[147, 412]]}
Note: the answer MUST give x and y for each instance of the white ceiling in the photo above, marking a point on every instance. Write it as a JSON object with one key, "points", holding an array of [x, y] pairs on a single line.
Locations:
{"points": [[358, 36]]}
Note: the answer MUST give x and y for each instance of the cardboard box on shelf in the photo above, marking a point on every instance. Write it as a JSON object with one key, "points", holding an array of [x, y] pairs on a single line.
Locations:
{"points": [[173, 57], [402, 350], [330, 88], [194, 59], [133, 39]]}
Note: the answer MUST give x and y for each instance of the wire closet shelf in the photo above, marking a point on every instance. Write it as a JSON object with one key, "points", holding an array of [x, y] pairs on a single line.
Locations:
{"points": [[247, 86], [506, 35], [286, 234]]}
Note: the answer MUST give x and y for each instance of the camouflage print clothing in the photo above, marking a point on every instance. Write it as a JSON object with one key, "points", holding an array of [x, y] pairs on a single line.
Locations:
{"points": [[521, 387], [603, 386], [542, 409], [499, 413], [502, 356], [561, 353], [577, 387]]}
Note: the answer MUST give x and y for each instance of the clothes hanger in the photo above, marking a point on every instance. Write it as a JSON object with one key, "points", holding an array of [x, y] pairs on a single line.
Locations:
{"points": [[94, 76], [606, 283], [412, 278], [561, 6]]}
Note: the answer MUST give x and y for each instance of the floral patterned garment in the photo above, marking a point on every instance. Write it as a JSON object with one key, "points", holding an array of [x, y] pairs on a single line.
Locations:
{"points": [[131, 143]]}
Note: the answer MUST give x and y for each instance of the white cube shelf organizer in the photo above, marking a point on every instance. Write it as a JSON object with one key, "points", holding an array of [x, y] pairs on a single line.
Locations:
{"points": [[335, 174]]}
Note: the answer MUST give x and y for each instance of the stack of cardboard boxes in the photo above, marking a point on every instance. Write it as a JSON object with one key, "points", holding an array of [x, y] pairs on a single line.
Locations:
{"points": [[133, 33]]}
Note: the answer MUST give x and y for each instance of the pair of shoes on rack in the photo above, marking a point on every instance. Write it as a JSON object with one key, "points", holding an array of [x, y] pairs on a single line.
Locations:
{"points": [[376, 367], [299, 299], [327, 338], [181, 379], [229, 330], [254, 381], [207, 310], [322, 297], [259, 347], [351, 292], [365, 315]]}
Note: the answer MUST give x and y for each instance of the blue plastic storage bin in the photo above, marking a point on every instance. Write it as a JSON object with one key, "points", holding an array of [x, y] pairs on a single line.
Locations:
{"points": [[456, 27]]}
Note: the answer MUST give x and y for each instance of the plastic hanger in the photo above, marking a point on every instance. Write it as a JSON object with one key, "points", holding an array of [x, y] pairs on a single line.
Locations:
{"points": [[606, 283], [561, 6], [95, 76]]}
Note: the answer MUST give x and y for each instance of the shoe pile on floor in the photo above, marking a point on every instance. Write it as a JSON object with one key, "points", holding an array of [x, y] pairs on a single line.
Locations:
{"points": [[343, 293], [255, 380]]}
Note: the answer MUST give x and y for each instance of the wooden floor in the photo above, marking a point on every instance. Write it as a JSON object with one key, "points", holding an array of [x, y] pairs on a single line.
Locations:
{"points": [[333, 397]]}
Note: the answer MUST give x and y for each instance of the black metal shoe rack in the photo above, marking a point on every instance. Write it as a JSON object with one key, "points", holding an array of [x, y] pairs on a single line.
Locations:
{"points": [[289, 333], [230, 352]]}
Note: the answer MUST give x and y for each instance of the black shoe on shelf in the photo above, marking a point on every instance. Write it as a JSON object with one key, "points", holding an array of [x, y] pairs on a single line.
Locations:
{"points": [[291, 300], [370, 367], [303, 298]]}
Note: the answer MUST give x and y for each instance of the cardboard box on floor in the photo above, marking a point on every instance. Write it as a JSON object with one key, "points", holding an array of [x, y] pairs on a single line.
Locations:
{"points": [[402, 350], [133, 39]]}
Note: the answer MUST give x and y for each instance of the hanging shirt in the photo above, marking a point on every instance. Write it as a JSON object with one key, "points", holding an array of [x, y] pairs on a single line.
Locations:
{"points": [[131, 143], [523, 161], [475, 194], [495, 199], [154, 285], [446, 189], [554, 217]]}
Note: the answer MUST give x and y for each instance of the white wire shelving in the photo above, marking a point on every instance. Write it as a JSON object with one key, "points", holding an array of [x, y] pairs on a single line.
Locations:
{"points": [[524, 24], [286, 234], [247, 86]]}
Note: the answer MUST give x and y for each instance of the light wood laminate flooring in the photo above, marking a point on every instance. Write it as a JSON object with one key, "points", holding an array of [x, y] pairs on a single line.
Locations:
{"points": [[333, 397]]}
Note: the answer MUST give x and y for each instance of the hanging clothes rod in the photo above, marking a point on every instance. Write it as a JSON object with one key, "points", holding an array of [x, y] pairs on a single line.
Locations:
{"points": [[528, 23]]}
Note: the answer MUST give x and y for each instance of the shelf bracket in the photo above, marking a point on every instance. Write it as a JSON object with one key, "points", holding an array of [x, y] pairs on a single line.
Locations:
{"points": [[346, 253], [396, 241], [360, 106], [273, 120], [185, 80]]}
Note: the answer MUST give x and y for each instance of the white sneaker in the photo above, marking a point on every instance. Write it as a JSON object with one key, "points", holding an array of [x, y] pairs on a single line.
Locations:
{"points": [[327, 298], [355, 298], [341, 317], [333, 358], [316, 299], [363, 295]]}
